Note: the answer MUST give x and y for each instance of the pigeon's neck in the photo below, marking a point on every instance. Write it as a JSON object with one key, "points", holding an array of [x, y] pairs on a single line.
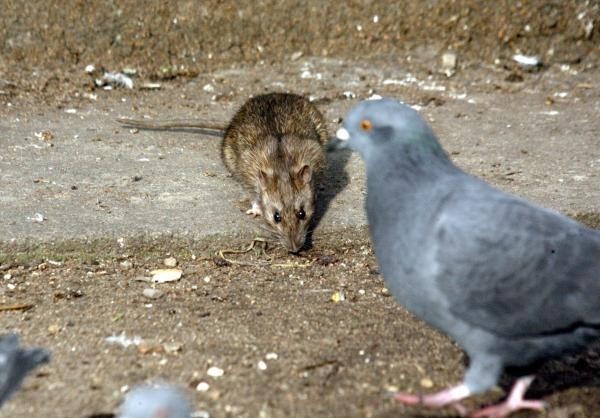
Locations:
{"points": [[404, 189], [410, 164], [405, 183]]}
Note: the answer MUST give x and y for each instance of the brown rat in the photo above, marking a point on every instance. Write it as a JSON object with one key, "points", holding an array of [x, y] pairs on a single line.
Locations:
{"points": [[274, 146]]}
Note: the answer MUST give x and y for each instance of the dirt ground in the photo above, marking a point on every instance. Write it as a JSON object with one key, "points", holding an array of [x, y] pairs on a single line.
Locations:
{"points": [[331, 340], [310, 336]]}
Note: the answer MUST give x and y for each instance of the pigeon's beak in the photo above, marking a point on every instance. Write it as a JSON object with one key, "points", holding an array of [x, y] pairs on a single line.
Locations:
{"points": [[340, 141]]}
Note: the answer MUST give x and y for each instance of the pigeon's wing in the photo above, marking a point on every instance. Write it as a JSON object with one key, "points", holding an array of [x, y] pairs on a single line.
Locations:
{"points": [[513, 268], [15, 363]]}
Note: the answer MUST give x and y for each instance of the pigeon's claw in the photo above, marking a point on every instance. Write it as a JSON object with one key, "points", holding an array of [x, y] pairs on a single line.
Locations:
{"points": [[513, 403], [448, 397]]}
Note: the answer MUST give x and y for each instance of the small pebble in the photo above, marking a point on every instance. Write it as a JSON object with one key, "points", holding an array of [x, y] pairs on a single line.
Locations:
{"points": [[126, 265], [152, 293], [262, 365], [449, 60], [172, 348], [38, 217], [53, 329], [170, 262]]}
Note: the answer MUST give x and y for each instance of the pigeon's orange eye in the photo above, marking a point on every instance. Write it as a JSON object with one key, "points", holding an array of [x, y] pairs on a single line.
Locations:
{"points": [[366, 125]]}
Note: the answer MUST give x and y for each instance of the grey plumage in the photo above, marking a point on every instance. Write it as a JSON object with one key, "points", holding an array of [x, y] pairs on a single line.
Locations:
{"points": [[510, 281], [155, 401], [15, 363]]}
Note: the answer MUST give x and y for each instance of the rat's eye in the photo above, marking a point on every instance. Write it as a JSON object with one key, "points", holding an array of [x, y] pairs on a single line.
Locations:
{"points": [[277, 217], [301, 214]]}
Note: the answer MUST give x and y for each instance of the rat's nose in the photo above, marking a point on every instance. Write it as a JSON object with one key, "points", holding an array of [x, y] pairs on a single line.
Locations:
{"points": [[294, 246]]}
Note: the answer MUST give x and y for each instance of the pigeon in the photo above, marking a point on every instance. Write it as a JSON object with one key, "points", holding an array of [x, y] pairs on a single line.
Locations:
{"points": [[511, 282], [15, 363], [158, 400]]}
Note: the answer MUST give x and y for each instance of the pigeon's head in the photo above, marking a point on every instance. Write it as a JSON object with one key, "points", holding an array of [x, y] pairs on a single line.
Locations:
{"points": [[382, 124], [155, 401]]}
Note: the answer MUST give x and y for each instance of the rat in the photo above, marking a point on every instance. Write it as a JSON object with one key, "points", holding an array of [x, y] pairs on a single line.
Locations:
{"points": [[274, 146]]}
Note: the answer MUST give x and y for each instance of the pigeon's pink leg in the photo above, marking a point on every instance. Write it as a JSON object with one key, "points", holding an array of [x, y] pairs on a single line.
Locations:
{"points": [[448, 397], [255, 210], [513, 403]]}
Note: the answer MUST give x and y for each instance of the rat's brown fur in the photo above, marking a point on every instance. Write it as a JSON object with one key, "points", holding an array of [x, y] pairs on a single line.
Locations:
{"points": [[273, 146]]}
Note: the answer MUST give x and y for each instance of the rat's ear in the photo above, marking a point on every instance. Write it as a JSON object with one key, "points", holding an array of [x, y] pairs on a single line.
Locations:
{"points": [[304, 175], [264, 178]]}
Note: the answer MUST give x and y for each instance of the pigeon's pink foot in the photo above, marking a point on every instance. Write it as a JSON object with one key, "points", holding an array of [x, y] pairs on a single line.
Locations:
{"points": [[448, 397], [513, 403], [255, 210]]}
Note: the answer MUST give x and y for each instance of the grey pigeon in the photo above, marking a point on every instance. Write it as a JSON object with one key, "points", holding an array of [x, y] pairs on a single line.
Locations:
{"points": [[15, 363], [155, 401], [511, 282]]}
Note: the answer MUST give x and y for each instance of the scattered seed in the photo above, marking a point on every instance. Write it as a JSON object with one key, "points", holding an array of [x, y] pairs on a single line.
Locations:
{"points": [[426, 383], [37, 218], [338, 297], [527, 60], [166, 275], [123, 340], [215, 371], [151, 86], [53, 329], [202, 387]]}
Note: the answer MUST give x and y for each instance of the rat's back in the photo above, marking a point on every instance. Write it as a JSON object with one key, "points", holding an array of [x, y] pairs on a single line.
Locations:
{"points": [[269, 116]]}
